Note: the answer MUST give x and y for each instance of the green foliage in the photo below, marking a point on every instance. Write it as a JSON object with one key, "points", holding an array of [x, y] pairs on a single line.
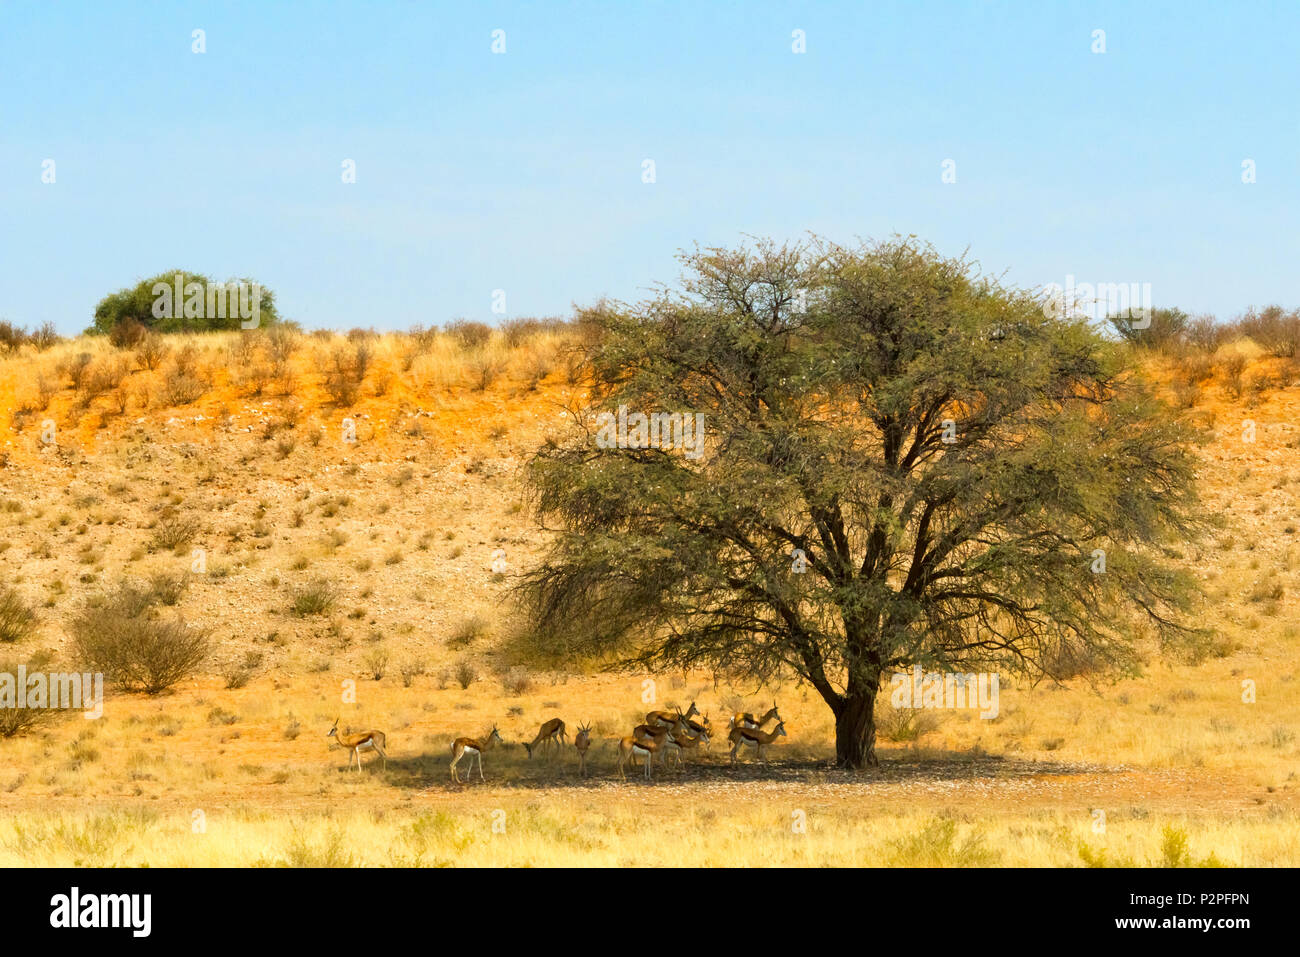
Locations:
{"points": [[153, 305], [946, 457]]}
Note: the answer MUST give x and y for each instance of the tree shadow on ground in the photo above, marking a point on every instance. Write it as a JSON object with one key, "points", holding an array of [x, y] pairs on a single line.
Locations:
{"points": [[509, 768]]}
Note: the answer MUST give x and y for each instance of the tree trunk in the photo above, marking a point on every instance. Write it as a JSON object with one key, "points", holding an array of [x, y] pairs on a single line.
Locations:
{"points": [[855, 730]]}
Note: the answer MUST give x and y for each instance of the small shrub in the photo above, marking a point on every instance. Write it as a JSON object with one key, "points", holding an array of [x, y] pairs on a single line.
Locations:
{"points": [[469, 631], [904, 724], [1232, 368], [119, 636], [469, 333], [410, 670], [175, 530], [316, 597], [377, 663], [166, 588], [17, 619], [15, 722], [517, 680]]}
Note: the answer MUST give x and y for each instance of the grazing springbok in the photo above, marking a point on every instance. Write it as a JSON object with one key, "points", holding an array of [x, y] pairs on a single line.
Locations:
{"points": [[356, 743], [747, 720], [634, 748], [551, 732], [471, 746], [669, 718], [756, 737], [582, 741]]}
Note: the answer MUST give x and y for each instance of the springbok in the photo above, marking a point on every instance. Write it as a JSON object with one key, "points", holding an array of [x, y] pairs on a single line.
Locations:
{"points": [[747, 720], [661, 734], [677, 743], [471, 746], [639, 748], [669, 718], [756, 737], [702, 727], [356, 743], [551, 732], [582, 741]]}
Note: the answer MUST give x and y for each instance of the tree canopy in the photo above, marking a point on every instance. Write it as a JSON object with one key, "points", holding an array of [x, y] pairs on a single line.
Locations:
{"points": [[182, 301], [903, 462]]}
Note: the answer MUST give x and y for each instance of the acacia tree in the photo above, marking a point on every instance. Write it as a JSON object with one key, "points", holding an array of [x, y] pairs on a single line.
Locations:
{"points": [[903, 463]]}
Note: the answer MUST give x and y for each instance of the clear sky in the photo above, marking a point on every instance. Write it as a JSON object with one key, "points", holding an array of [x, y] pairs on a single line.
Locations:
{"points": [[522, 171]]}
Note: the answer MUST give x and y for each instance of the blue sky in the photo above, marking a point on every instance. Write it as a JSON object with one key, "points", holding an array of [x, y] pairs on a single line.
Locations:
{"points": [[522, 171]]}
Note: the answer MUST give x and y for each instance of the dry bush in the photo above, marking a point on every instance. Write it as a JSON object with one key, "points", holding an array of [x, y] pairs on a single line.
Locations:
{"points": [[127, 333], [167, 587], [45, 390], [418, 342], [410, 670], [517, 680], [1274, 329], [239, 674], [484, 370], [121, 398], [17, 619], [281, 343], [45, 337], [468, 631], [518, 331], [151, 351], [377, 663], [181, 387], [346, 371], [464, 674], [469, 334], [316, 597], [13, 338], [174, 530], [75, 368], [1203, 333], [119, 635], [102, 377], [1232, 367], [903, 724], [1194, 368], [15, 722]]}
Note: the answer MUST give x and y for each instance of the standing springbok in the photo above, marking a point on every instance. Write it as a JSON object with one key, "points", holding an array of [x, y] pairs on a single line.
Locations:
{"points": [[582, 741], [471, 746], [356, 743], [640, 748], [661, 734], [755, 737], [747, 720], [551, 732]]}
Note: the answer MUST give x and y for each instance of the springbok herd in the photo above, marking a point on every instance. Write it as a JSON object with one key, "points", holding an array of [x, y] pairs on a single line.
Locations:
{"points": [[664, 733]]}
